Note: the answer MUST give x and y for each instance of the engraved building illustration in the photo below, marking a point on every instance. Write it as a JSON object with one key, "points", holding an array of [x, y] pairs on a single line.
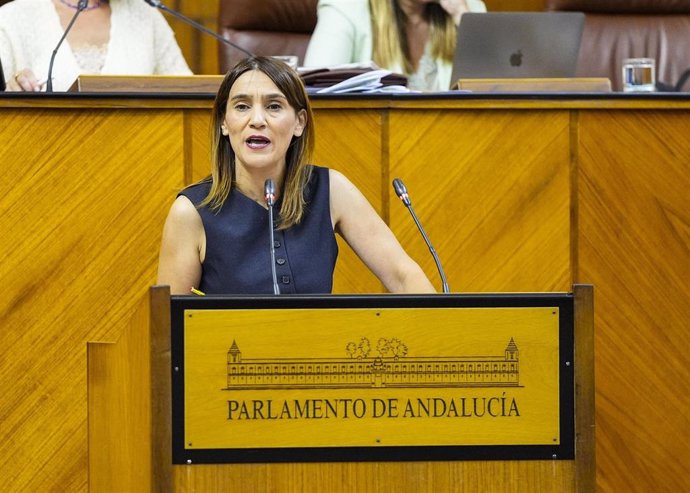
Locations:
{"points": [[364, 371]]}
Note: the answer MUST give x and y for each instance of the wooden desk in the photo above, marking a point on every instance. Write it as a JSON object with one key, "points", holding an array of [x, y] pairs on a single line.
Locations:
{"points": [[518, 194]]}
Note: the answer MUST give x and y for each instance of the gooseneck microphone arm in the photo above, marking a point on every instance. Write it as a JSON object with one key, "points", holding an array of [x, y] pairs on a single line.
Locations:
{"points": [[159, 5], [81, 5], [401, 192], [269, 197]]}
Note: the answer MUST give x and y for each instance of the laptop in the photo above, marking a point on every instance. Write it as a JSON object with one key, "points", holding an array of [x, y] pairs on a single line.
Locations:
{"points": [[496, 45]]}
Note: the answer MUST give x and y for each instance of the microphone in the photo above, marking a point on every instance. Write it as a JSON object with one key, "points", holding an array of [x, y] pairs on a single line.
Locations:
{"points": [[81, 5], [159, 5], [401, 192], [269, 197]]}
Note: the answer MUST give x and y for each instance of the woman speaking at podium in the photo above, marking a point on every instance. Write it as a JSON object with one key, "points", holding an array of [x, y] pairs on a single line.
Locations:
{"points": [[217, 236], [116, 37]]}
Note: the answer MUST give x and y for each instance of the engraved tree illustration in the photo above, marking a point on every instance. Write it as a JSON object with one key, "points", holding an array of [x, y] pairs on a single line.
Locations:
{"points": [[391, 348], [397, 348], [359, 350], [364, 348], [382, 347]]}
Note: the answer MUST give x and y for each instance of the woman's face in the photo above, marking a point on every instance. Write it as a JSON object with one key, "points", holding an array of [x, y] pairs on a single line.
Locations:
{"points": [[260, 122]]}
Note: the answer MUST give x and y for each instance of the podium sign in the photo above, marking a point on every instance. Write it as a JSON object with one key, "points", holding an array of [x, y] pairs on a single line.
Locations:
{"points": [[351, 378]]}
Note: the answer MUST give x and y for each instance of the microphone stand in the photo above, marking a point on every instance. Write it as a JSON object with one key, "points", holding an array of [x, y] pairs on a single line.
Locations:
{"points": [[401, 192], [159, 5], [269, 196], [81, 5]]}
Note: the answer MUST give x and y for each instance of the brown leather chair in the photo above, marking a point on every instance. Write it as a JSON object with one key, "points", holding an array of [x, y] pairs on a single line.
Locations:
{"points": [[265, 27], [618, 29]]}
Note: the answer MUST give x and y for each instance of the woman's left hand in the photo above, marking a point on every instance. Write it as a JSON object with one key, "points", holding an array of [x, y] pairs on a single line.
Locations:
{"points": [[455, 8], [24, 80]]}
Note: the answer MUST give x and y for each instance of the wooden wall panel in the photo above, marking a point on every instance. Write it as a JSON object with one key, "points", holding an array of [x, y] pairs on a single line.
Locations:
{"points": [[492, 193], [197, 145], [85, 190], [119, 417], [352, 146], [390, 477], [634, 239], [199, 49], [83, 196]]}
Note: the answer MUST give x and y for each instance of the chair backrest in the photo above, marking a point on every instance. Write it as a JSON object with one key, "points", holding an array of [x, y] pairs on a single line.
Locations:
{"points": [[265, 27], [618, 29]]}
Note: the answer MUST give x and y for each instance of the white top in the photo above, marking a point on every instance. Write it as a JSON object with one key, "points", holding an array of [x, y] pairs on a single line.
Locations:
{"points": [[90, 57], [343, 35], [141, 42]]}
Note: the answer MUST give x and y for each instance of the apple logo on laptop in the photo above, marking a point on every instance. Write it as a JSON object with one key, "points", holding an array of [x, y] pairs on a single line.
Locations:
{"points": [[516, 59]]}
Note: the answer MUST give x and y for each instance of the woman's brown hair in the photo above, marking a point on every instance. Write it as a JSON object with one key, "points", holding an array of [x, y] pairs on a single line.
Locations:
{"points": [[297, 173]]}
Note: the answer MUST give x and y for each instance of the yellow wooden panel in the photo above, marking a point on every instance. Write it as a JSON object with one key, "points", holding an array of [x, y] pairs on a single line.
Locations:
{"points": [[351, 143], [119, 416], [259, 379], [186, 37], [197, 9], [207, 48], [377, 477], [492, 190], [77, 253], [199, 49], [197, 144], [84, 195], [634, 204]]}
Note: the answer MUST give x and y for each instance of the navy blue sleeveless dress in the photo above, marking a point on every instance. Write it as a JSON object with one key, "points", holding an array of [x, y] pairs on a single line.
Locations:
{"points": [[238, 256]]}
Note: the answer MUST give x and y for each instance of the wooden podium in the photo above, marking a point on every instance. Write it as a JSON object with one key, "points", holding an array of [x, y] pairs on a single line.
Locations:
{"points": [[197, 394]]}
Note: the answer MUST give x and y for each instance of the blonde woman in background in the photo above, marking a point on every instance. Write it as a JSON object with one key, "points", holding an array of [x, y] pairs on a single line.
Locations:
{"points": [[412, 37]]}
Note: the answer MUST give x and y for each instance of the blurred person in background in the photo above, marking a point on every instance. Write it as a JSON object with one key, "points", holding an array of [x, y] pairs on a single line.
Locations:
{"points": [[115, 37], [411, 37]]}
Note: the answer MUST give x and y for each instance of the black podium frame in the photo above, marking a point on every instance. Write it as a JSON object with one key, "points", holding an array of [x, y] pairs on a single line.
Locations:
{"points": [[565, 450]]}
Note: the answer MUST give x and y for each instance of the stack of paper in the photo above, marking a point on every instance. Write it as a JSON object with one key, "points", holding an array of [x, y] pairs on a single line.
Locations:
{"points": [[352, 78]]}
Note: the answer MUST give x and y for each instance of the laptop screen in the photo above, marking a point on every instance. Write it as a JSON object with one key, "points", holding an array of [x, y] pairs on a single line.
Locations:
{"points": [[497, 45]]}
